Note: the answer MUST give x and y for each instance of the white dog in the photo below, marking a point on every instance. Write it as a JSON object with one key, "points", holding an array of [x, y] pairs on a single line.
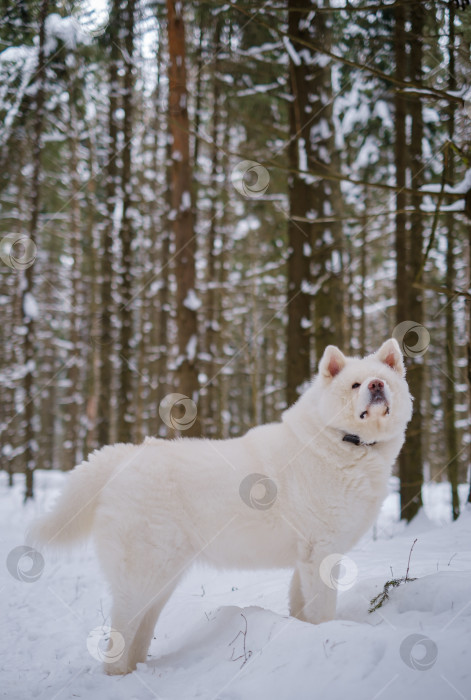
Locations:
{"points": [[286, 494]]}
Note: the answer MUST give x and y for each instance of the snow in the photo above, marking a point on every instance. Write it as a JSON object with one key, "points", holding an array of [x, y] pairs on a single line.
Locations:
{"points": [[321, 131], [15, 60], [461, 187], [465, 185], [292, 51], [257, 89], [368, 154], [381, 109], [191, 301], [186, 201], [311, 288], [430, 115], [245, 226], [267, 47], [117, 215], [66, 29], [190, 349], [30, 306], [302, 155], [303, 164], [15, 54], [92, 16], [228, 636]]}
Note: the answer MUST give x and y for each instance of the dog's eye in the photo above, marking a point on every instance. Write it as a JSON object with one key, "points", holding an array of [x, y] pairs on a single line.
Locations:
{"points": [[355, 386]]}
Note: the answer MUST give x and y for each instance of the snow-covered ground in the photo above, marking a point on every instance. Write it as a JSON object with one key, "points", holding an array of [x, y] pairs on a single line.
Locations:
{"points": [[228, 636]]}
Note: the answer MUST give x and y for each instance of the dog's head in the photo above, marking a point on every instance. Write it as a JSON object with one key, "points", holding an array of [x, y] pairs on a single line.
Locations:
{"points": [[367, 397]]}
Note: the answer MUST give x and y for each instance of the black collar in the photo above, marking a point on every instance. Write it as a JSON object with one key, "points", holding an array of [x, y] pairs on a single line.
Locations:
{"points": [[355, 439]]}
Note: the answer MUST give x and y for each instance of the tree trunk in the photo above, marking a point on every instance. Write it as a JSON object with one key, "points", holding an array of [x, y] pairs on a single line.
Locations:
{"points": [[164, 299], [28, 281], [413, 445], [299, 232], [408, 303], [315, 249], [363, 273], [46, 376], [182, 215], [160, 260], [92, 292], [212, 329], [327, 238], [74, 396], [450, 418], [105, 338], [225, 228], [125, 392]]}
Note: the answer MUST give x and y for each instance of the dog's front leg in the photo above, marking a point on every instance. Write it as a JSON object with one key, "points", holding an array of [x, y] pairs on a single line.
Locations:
{"points": [[311, 600]]}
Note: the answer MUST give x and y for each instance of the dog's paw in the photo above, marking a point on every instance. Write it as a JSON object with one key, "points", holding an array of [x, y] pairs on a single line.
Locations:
{"points": [[116, 669]]}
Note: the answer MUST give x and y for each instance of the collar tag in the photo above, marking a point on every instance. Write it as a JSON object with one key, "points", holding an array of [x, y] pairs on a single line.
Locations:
{"points": [[351, 438], [355, 440]]}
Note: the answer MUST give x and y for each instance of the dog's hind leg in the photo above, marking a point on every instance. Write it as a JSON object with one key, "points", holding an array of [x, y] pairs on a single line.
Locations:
{"points": [[133, 619], [296, 601], [143, 637], [143, 564], [126, 616]]}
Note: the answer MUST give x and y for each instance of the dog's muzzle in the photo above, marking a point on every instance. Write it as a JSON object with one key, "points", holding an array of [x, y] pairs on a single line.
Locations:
{"points": [[376, 389]]}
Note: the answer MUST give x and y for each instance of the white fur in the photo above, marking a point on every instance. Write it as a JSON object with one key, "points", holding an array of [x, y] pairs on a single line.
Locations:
{"points": [[155, 508]]}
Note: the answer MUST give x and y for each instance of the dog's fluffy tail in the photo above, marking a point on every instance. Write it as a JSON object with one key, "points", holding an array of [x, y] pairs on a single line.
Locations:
{"points": [[72, 517]]}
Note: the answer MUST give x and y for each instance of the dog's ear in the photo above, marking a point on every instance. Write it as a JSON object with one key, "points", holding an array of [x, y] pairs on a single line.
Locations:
{"points": [[332, 362], [390, 353]]}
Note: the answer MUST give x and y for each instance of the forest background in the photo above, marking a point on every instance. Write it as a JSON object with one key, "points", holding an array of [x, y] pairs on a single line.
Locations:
{"points": [[198, 197]]}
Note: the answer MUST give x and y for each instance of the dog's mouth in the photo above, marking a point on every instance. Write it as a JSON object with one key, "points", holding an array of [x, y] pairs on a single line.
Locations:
{"points": [[366, 413]]}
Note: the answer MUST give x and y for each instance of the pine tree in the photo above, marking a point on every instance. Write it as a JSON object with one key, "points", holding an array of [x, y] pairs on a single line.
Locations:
{"points": [[182, 214], [107, 307], [29, 303], [299, 228], [125, 391]]}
